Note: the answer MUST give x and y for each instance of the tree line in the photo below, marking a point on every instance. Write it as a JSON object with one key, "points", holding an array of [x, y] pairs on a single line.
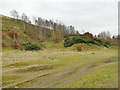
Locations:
{"points": [[59, 30]]}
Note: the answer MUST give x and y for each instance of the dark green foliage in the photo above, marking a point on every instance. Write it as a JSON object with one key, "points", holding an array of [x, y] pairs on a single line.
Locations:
{"points": [[107, 44], [98, 42], [69, 41], [42, 46], [82, 39], [31, 46], [72, 35]]}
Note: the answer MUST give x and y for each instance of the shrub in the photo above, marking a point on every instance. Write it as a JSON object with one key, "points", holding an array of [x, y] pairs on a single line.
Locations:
{"points": [[31, 46], [79, 48], [13, 34], [106, 46], [15, 44], [3, 44], [3, 35], [21, 48], [82, 39], [72, 35], [76, 39], [42, 46], [107, 43], [87, 34], [69, 41], [98, 41]]}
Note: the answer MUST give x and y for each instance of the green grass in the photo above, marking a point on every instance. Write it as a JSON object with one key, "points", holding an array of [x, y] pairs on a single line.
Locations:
{"points": [[113, 59], [92, 66], [7, 79], [104, 77], [30, 34], [36, 68], [17, 64], [54, 45], [55, 63], [59, 64]]}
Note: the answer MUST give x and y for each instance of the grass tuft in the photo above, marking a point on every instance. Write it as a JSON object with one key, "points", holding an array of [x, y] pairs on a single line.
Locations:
{"points": [[35, 68]]}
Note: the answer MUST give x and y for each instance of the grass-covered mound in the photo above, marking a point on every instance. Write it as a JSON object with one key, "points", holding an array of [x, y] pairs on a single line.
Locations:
{"points": [[86, 47], [69, 41]]}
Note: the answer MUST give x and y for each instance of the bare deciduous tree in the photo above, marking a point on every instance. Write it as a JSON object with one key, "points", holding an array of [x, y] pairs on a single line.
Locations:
{"points": [[105, 35], [39, 24], [25, 19], [15, 14], [60, 30]]}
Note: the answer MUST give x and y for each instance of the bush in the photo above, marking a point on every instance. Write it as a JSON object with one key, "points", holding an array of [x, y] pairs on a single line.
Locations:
{"points": [[98, 41], [72, 35], [82, 39], [108, 43], [3, 44], [69, 41], [31, 46], [15, 44], [42, 46], [79, 48], [106, 46], [3, 35], [87, 34], [21, 48], [13, 34], [76, 39]]}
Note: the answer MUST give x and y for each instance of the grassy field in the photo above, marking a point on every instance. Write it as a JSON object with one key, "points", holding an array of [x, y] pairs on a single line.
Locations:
{"points": [[54, 66], [103, 77], [60, 68]]}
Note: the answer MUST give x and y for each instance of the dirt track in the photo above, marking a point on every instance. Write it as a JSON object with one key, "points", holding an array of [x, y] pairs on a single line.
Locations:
{"points": [[64, 82]]}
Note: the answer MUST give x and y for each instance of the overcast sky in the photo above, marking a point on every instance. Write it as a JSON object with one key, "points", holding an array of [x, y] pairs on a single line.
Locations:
{"points": [[88, 15]]}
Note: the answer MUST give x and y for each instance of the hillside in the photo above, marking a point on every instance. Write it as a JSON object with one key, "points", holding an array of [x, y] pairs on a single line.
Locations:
{"points": [[30, 34], [73, 61], [16, 32]]}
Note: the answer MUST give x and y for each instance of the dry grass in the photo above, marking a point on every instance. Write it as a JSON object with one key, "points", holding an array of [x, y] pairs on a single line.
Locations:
{"points": [[59, 64]]}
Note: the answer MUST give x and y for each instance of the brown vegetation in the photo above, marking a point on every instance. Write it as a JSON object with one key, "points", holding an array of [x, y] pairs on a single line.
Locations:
{"points": [[3, 44], [3, 35], [88, 35], [15, 44], [13, 34], [79, 48], [115, 40]]}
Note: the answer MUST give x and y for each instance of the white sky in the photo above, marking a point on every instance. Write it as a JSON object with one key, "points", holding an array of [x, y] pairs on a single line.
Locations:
{"points": [[88, 15]]}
